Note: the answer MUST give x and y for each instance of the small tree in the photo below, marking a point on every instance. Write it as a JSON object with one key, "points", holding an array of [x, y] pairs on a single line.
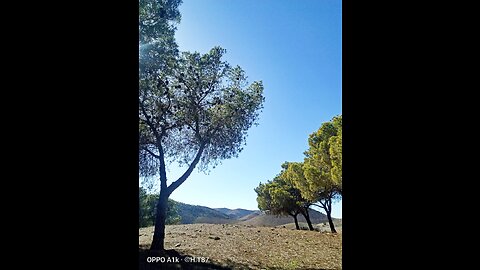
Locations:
{"points": [[274, 199], [280, 197]]}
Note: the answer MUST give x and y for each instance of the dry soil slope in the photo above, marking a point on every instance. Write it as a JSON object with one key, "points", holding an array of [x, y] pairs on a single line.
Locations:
{"points": [[241, 247]]}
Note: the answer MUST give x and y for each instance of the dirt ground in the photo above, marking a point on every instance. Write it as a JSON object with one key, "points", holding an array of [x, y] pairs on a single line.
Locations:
{"points": [[233, 246]]}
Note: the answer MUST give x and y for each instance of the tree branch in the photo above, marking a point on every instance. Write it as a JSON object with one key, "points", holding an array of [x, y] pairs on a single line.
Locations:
{"points": [[151, 153], [210, 88], [321, 206], [187, 173]]}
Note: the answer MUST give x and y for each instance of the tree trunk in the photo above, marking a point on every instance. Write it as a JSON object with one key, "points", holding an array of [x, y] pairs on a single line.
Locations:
{"points": [[307, 218], [296, 222], [330, 222], [160, 217]]}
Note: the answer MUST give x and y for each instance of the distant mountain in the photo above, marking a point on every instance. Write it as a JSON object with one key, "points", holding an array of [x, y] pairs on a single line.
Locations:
{"points": [[200, 214], [236, 213], [190, 214]]}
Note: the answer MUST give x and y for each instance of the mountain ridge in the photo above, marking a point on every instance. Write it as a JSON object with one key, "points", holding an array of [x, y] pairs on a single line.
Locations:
{"points": [[192, 214]]}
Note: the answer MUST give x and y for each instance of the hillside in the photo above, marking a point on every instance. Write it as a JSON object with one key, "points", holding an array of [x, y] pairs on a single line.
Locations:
{"points": [[190, 214], [272, 221], [236, 213], [250, 216]]}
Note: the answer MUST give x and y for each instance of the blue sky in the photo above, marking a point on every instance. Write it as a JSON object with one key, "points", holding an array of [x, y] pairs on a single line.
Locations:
{"points": [[294, 47]]}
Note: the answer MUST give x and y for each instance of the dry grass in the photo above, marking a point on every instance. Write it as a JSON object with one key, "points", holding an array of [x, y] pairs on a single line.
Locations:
{"points": [[246, 247]]}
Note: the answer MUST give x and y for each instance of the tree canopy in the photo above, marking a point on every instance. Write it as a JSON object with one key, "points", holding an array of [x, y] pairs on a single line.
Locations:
{"points": [[200, 113], [323, 161], [280, 197]]}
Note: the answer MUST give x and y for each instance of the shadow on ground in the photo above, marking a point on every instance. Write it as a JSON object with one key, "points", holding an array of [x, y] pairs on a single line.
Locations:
{"points": [[169, 257]]}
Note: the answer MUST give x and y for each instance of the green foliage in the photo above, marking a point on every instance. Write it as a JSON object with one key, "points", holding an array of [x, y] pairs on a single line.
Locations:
{"points": [[157, 25], [156, 19], [148, 206], [280, 196], [336, 152], [294, 174], [323, 163]]}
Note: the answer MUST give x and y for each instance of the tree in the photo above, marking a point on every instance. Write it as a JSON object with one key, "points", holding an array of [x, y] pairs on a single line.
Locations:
{"points": [[273, 199], [158, 52], [280, 197], [199, 113], [322, 181], [193, 109], [293, 173]]}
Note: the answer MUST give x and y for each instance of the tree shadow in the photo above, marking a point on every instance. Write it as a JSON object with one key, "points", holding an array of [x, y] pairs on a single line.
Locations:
{"points": [[173, 260]]}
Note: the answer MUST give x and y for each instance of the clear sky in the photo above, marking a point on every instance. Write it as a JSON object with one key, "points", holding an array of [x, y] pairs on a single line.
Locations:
{"points": [[295, 48]]}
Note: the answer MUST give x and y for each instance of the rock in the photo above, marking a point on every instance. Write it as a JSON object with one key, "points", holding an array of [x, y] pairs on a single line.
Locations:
{"points": [[214, 238], [177, 245]]}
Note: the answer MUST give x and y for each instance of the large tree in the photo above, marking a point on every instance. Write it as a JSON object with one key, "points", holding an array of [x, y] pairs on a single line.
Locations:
{"points": [[198, 113], [322, 168], [193, 108]]}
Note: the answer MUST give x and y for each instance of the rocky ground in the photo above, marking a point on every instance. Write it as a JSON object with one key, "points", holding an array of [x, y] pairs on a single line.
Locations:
{"points": [[233, 246]]}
